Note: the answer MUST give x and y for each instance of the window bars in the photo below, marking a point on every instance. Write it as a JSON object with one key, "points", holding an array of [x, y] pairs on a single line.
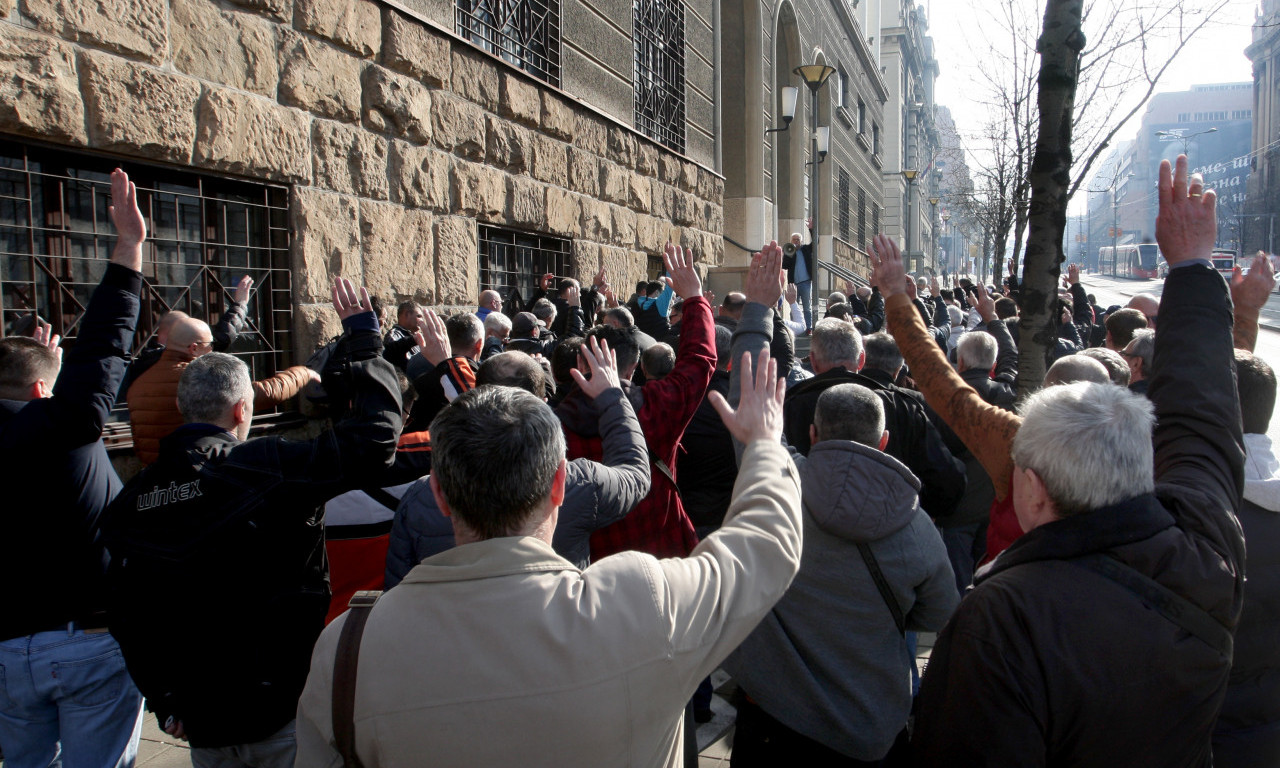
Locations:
{"points": [[525, 33], [512, 262], [862, 218], [203, 235], [659, 83]]}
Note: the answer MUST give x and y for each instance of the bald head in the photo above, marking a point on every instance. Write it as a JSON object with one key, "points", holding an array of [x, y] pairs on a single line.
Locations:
{"points": [[513, 369], [490, 300], [1148, 305], [191, 336], [733, 304], [1073, 368], [166, 324]]}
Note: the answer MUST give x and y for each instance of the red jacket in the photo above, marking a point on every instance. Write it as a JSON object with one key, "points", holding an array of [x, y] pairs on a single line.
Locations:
{"points": [[658, 525]]}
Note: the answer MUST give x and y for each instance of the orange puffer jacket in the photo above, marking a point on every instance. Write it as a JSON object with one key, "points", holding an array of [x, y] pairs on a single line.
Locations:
{"points": [[153, 399]]}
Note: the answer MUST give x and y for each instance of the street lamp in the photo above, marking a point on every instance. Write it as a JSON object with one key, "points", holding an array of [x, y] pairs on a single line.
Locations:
{"points": [[1186, 137], [814, 75], [789, 95], [951, 246], [933, 225], [910, 176]]}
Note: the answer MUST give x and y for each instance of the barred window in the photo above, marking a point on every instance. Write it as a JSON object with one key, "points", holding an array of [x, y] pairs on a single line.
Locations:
{"points": [[842, 205], [875, 220], [525, 33], [862, 218], [204, 234], [511, 262], [659, 83]]}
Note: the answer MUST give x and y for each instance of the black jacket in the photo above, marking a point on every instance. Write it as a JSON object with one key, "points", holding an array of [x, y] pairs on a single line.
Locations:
{"points": [[999, 388], [913, 440], [1049, 663], [56, 474], [399, 346], [229, 536], [708, 465]]}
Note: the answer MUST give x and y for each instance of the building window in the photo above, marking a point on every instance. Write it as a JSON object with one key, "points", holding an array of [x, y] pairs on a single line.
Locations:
{"points": [[203, 234], [875, 220], [659, 83], [862, 218], [842, 204], [511, 262], [842, 93], [862, 116], [875, 139], [524, 33]]}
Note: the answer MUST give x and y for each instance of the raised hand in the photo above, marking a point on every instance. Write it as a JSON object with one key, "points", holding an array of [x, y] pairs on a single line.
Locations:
{"points": [[909, 287], [242, 290], [683, 278], [1073, 274], [572, 296], [599, 282], [985, 305], [850, 287], [793, 293], [1252, 290], [131, 228], [545, 281], [710, 296], [765, 278], [887, 271], [345, 300], [934, 288], [1187, 223], [432, 338], [603, 365], [45, 337], [759, 413]]}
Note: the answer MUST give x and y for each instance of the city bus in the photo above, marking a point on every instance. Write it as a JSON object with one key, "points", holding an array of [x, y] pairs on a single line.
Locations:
{"points": [[1138, 261]]}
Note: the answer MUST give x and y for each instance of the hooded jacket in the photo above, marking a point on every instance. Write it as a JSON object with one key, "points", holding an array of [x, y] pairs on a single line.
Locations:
{"points": [[828, 660], [1248, 730]]}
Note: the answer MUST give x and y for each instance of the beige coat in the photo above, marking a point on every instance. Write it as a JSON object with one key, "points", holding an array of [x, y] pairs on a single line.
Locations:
{"points": [[501, 653]]}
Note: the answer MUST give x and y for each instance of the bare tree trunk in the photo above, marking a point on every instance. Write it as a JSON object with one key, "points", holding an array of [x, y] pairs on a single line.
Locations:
{"points": [[1060, 44]]}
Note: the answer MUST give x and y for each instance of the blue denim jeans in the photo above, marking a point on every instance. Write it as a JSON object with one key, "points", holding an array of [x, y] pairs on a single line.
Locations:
{"points": [[805, 290], [66, 696]]}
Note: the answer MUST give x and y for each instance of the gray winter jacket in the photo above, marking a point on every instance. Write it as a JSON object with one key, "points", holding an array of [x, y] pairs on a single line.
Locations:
{"points": [[596, 494], [828, 661]]}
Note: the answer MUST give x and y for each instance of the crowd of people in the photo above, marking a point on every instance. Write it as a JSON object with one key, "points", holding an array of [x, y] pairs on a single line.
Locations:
{"points": [[529, 536]]}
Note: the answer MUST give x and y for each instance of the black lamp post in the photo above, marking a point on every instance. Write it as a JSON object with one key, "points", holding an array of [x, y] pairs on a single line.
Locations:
{"points": [[814, 75]]}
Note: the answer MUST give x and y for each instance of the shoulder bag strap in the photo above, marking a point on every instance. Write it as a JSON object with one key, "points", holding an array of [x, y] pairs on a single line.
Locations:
{"points": [[344, 676], [1166, 602], [883, 586]]}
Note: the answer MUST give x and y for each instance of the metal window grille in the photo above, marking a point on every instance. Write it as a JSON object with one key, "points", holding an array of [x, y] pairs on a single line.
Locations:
{"points": [[862, 218], [525, 33], [511, 262], [204, 233], [875, 220], [659, 83], [842, 204]]}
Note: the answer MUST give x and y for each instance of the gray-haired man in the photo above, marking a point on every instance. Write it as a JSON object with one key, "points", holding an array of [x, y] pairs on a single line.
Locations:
{"points": [[1103, 636], [229, 533]]}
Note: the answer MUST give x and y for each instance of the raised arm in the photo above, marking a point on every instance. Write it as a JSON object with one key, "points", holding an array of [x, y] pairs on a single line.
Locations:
{"points": [[282, 387], [985, 429], [232, 321], [1249, 294], [364, 443], [621, 479], [94, 366], [1198, 441], [1007, 356]]}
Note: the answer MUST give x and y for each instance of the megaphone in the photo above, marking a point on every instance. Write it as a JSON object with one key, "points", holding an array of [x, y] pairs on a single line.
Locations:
{"points": [[788, 248]]}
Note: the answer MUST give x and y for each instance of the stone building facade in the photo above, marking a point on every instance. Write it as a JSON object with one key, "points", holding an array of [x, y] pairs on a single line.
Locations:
{"points": [[1259, 230], [767, 174], [399, 145]]}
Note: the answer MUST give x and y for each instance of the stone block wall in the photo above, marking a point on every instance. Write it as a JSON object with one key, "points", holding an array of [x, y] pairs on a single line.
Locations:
{"points": [[396, 136]]}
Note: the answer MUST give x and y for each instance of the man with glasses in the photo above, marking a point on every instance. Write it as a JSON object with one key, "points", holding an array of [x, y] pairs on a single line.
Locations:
{"points": [[153, 409]]}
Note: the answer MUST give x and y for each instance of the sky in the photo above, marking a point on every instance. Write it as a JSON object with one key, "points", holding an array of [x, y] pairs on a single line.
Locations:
{"points": [[959, 29]]}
